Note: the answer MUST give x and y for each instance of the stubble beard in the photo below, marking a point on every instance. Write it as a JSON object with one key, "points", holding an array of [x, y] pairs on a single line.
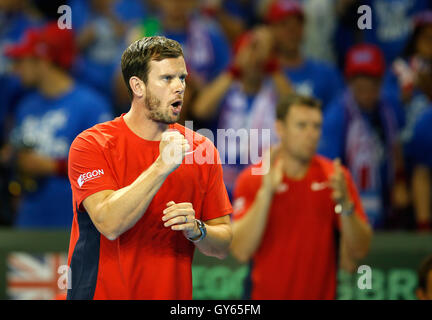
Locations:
{"points": [[156, 113]]}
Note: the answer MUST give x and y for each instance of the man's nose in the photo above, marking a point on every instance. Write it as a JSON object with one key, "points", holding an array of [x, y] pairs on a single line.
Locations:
{"points": [[179, 85]]}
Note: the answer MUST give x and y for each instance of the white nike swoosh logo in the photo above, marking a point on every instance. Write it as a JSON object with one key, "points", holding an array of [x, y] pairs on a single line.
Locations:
{"points": [[317, 186]]}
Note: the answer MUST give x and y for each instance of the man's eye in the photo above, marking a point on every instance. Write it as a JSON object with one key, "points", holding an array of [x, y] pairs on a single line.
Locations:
{"points": [[168, 78]]}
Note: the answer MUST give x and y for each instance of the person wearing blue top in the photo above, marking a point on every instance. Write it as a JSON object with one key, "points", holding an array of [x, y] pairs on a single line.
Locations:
{"points": [[309, 77], [361, 129], [239, 105], [100, 38], [419, 156], [46, 122], [402, 81], [392, 24], [14, 20]]}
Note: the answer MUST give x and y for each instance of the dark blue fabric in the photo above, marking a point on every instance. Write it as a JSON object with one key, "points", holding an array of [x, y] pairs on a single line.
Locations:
{"points": [[247, 283], [85, 260], [420, 147]]}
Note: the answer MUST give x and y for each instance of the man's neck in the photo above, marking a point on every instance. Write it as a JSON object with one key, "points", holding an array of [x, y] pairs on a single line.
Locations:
{"points": [[55, 83], [293, 167], [137, 120]]}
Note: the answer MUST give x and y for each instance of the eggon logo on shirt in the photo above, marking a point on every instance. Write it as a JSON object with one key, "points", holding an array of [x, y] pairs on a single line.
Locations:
{"points": [[91, 175]]}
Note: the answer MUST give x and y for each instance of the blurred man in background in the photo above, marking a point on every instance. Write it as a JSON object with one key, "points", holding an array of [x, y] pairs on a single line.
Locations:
{"points": [[46, 122], [15, 18], [309, 77], [419, 155], [286, 222], [361, 129], [244, 96], [392, 24], [410, 82], [100, 43]]}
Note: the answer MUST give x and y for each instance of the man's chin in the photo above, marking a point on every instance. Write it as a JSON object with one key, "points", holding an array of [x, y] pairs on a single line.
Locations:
{"points": [[168, 121]]}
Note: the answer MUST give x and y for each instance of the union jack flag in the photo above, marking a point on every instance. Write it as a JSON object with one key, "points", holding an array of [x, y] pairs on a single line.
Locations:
{"points": [[35, 276]]}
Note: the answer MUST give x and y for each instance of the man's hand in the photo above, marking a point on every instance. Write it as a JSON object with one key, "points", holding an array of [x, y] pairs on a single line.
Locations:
{"points": [[181, 217], [338, 184], [275, 174], [172, 150]]}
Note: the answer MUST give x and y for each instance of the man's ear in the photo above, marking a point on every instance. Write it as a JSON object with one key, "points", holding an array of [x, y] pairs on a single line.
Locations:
{"points": [[137, 86]]}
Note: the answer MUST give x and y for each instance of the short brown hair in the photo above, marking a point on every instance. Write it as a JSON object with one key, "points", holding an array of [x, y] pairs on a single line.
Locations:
{"points": [[287, 101], [136, 58]]}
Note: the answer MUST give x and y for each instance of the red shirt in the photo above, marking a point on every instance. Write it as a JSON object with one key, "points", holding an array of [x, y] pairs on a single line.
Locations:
{"points": [[149, 261], [297, 257]]}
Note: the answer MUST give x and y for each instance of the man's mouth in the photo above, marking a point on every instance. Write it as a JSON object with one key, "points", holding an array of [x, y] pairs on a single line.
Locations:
{"points": [[176, 106]]}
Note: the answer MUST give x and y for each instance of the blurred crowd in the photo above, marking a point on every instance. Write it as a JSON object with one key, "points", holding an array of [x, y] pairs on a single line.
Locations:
{"points": [[374, 85]]}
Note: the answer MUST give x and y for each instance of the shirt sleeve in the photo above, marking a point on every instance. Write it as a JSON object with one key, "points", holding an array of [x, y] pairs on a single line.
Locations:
{"points": [[216, 201], [244, 194], [89, 171]]}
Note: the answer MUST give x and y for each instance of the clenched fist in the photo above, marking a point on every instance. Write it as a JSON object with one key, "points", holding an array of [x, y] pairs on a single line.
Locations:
{"points": [[172, 149]]}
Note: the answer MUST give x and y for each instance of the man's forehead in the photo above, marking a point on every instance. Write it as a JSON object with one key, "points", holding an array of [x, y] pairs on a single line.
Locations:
{"points": [[168, 65], [302, 111]]}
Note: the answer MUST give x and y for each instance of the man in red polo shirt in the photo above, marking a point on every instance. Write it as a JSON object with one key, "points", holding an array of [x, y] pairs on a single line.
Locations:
{"points": [[288, 222], [141, 201]]}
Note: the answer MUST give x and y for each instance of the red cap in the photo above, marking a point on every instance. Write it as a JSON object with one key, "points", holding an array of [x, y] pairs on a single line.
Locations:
{"points": [[280, 9], [423, 18], [49, 42], [364, 59]]}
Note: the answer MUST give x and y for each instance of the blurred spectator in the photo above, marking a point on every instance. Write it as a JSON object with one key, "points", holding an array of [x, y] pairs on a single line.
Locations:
{"points": [[361, 129], [410, 82], [312, 78], [15, 17], [320, 27], [419, 156], [243, 97], [100, 41], [129, 12], [400, 81], [234, 16], [47, 121], [424, 290], [205, 46], [392, 24], [291, 222]]}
